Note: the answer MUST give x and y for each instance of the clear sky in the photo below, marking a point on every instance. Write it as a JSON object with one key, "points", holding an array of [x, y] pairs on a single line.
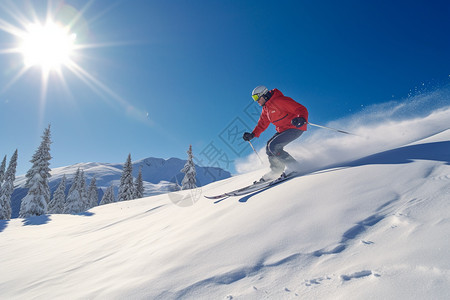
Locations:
{"points": [[152, 77]]}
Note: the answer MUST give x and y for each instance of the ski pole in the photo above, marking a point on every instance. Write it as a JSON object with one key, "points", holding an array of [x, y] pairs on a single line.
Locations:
{"points": [[334, 129], [251, 145]]}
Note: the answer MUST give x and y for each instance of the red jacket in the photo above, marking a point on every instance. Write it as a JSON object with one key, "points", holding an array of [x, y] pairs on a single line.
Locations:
{"points": [[280, 110]]}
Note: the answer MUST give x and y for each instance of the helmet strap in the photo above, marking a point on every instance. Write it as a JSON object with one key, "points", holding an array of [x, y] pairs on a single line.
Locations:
{"points": [[267, 96]]}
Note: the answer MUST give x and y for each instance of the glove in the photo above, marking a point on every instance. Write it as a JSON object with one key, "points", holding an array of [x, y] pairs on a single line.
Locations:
{"points": [[248, 136], [298, 122]]}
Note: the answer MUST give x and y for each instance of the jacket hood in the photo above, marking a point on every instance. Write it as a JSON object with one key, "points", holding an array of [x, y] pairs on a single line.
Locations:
{"points": [[276, 93]]}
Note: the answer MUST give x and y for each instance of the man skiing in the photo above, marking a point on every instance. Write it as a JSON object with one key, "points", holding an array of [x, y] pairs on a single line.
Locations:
{"points": [[290, 119]]}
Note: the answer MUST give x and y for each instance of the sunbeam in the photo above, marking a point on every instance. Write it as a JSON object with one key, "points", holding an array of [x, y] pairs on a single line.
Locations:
{"points": [[49, 45], [52, 45]]}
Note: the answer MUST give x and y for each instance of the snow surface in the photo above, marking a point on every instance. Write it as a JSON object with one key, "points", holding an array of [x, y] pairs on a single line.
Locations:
{"points": [[373, 227]]}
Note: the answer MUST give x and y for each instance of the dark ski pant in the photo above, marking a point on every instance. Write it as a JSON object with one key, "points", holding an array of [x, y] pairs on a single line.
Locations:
{"points": [[278, 158]]}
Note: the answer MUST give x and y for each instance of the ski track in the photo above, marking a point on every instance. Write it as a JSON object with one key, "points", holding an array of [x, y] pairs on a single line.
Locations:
{"points": [[356, 275], [351, 238], [347, 240]]}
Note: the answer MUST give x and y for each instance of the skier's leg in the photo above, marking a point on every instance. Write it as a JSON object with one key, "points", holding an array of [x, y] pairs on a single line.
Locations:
{"points": [[275, 149], [276, 166]]}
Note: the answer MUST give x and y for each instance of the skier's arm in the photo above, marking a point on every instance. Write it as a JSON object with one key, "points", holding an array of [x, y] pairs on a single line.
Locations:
{"points": [[262, 125], [295, 107]]}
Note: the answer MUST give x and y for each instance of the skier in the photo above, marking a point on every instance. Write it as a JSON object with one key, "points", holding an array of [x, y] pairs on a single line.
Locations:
{"points": [[290, 119]]}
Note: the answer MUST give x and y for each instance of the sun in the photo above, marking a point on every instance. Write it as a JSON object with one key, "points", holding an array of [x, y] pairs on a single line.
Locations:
{"points": [[48, 45], [55, 43]]}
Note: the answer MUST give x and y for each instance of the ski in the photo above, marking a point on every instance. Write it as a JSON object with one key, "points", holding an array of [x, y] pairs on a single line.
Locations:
{"points": [[253, 187], [217, 197], [250, 188]]}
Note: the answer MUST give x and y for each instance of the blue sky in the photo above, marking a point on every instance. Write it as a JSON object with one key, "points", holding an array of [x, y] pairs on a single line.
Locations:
{"points": [[153, 77]]}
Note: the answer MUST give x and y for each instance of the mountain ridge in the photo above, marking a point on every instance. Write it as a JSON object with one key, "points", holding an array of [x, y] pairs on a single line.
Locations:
{"points": [[159, 176]]}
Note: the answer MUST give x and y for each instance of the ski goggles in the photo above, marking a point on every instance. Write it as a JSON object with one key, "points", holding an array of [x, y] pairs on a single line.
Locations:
{"points": [[256, 97]]}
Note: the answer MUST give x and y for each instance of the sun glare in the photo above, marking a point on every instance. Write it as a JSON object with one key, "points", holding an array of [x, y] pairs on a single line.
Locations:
{"points": [[54, 44], [49, 46]]}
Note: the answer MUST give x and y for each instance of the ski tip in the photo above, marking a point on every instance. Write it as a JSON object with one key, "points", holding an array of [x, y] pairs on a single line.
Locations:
{"points": [[215, 197]]}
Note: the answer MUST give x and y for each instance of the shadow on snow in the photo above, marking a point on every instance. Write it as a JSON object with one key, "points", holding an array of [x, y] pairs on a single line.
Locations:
{"points": [[37, 220], [438, 151], [3, 224]]}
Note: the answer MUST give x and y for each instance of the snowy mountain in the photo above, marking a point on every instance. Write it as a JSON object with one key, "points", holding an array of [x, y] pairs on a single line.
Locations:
{"points": [[372, 227], [159, 176]]}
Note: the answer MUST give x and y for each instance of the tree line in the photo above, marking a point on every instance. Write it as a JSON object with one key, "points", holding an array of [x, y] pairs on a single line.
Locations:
{"points": [[80, 198]]}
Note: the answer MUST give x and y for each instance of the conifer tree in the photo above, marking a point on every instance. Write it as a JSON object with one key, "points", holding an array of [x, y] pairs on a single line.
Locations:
{"points": [[83, 191], [56, 205], [126, 188], [93, 193], [2, 170], [139, 186], [74, 202], [189, 181], [36, 201], [75, 180], [7, 188], [108, 197]]}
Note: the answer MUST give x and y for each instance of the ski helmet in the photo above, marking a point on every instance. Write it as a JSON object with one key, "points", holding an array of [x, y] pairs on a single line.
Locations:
{"points": [[259, 91]]}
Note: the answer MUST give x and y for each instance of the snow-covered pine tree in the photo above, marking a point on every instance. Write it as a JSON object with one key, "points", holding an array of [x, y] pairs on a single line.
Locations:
{"points": [[83, 191], [189, 181], [36, 201], [108, 197], [75, 180], [56, 205], [92, 193], [139, 186], [2, 170], [7, 189], [74, 202], [126, 188]]}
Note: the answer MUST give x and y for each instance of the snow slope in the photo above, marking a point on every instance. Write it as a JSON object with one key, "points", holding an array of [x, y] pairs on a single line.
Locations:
{"points": [[376, 227]]}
